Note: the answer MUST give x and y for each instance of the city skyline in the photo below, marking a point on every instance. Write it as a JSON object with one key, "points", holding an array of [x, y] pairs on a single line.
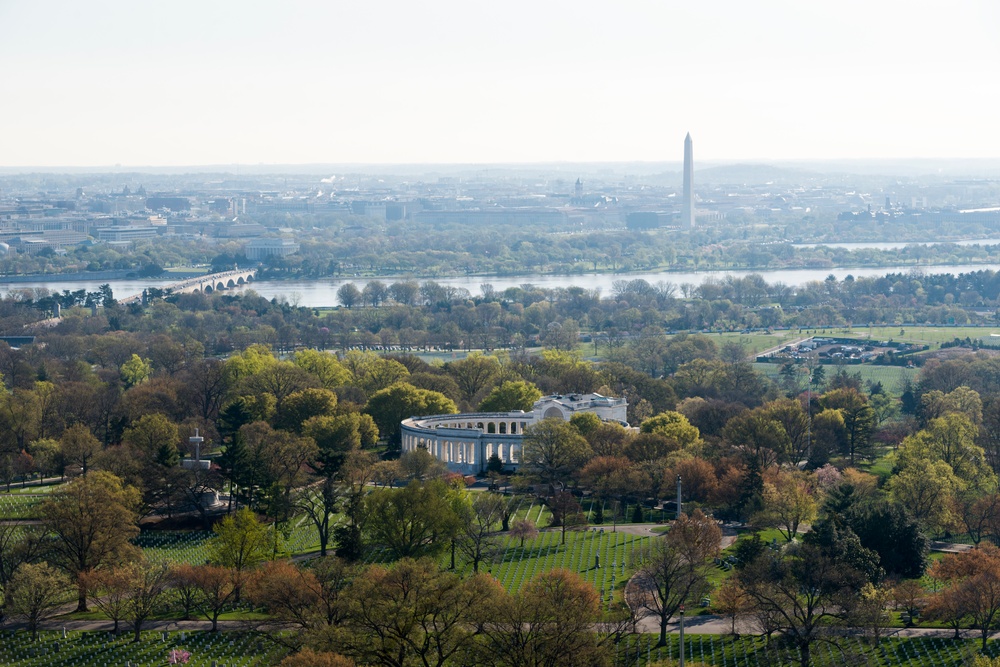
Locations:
{"points": [[109, 83]]}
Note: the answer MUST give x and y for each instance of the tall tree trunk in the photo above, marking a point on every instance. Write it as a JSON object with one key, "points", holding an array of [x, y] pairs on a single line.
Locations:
{"points": [[81, 597]]}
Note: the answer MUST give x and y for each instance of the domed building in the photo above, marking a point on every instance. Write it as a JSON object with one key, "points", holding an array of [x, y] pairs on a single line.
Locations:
{"points": [[466, 442]]}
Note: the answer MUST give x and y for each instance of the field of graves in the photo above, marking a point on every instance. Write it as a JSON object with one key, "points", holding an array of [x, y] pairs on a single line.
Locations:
{"points": [[244, 649], [102, 649], [754, 651]]}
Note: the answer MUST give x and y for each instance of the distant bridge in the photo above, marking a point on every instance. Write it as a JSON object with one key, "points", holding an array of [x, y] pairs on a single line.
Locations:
{"points": [[213, 282]]}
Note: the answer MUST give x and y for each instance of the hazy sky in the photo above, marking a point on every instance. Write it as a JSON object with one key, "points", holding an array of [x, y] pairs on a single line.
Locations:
{"points": [[222, 82]]}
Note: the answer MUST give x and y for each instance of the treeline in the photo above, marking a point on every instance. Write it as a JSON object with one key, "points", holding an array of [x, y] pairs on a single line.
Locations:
{"points": [[109, 401]]}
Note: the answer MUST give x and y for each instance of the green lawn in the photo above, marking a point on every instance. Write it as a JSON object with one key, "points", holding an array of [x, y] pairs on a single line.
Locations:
{"points": [[922, 335], [617, 550], [891, 377]]}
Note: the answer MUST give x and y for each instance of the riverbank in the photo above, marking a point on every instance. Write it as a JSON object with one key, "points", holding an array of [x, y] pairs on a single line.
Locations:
{"points": [[90, 276]]}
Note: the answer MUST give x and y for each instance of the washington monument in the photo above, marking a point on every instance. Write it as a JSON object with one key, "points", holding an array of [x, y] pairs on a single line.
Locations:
{"points": [[687, 205]]}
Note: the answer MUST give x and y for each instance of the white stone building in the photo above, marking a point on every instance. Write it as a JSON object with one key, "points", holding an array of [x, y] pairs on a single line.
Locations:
{"points": [[467, 441], [258, 249]]}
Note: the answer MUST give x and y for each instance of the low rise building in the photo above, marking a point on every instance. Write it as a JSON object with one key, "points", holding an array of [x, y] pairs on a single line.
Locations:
{"points": [[466, 442]]}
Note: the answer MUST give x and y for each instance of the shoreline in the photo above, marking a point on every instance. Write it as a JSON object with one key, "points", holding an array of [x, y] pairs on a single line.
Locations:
{"points": [[84, 277]]}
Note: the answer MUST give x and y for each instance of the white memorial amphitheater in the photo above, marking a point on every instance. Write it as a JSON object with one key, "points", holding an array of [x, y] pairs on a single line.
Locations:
{"points": [[467, 441]]}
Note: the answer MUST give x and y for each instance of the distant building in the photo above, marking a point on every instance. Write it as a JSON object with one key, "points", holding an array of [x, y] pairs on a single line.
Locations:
{"points": [[240, 231], [259, 249], [169, 203], [126, 234], [637, 220]]}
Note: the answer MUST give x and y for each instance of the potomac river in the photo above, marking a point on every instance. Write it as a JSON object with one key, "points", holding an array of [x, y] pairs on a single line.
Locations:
{"points": [[318, 293]]}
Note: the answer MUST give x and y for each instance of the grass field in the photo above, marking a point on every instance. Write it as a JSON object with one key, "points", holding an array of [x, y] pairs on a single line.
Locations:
{"points": [[891, 377], [922, 335], [519, 565]]}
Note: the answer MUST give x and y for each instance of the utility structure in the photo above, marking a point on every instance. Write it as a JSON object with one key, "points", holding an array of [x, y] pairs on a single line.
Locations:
{"points": [[680, 632], [687, 202], [678, 496]]}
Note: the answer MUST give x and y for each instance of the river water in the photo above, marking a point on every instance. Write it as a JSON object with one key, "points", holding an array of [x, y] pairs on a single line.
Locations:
{"points": [[323, 292]]}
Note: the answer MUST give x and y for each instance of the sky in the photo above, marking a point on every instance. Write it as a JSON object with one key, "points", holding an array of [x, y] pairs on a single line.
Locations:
{"points": [[220, 82]]}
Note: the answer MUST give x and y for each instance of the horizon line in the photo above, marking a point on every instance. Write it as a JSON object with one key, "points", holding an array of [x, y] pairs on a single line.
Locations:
{"points": [[527, 163]]}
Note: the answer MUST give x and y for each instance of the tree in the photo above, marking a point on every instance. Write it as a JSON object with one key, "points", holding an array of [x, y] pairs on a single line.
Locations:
{"points": [[552, 451], [135, 371], [793, 419], [859, 420], [34, 593], [673, 570], [217, 588], [147, 582], [348, 295], [980, 515], [109, 591], [927, 489], [304, 405], [478, 540], [152, 448], [788, 503], [801, 591], [474, 374], [511, 396], [760, 440], [307, 600], [241, 543], [79, 447], [910, 595], [609, 477], [278, 380], [389, 406], [413, 521], [975, 579], [373, 373], [324, 367], [675, 427], [18, 545], [419, 464], [869, 612], [732, 602], [948, 606], [414, 614], [548, 622], [358, 471], [961, 400], [185, 590], [93, 519], [952, 439], [319, 503], [522, 530], [887, 529], [338, 435], [566, 512]]}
